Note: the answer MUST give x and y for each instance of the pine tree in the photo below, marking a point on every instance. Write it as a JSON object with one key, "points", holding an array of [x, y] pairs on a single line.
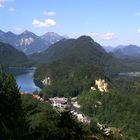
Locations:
{"points": [[11, 113]]}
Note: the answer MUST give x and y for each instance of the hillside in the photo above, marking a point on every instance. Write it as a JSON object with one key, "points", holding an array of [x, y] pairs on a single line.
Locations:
{"points": [[73, 65], [81, 50], [9, 56], [118, 108], [71, 70], [36, 119]]}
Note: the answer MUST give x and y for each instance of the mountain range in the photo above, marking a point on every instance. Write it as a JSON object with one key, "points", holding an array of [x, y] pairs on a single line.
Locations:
{"points": [[29, 42], [83, 49], [68, 62], [122, 51]]}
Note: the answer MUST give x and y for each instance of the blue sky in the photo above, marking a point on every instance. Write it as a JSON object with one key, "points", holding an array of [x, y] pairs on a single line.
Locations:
{"points": [[109, 22]]}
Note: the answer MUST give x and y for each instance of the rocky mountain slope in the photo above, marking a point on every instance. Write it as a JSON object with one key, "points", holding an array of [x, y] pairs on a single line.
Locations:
{"points": [[28, 42]]}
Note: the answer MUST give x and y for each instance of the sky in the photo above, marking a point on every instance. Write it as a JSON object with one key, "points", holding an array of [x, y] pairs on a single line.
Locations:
{"points": [[108, 22]]}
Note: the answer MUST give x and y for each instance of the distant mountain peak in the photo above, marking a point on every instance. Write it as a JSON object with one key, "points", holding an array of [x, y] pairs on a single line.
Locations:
{"points": [[10, 33], [85, 38], [80, 49], [51, 33], [28, 33], [131, 50], [133, 46], [29, 42], [52, 37], [2, 32]]}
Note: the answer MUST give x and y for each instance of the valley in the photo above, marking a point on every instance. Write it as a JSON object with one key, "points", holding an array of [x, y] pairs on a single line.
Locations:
{"points": [[82, 70], [69, 70]]}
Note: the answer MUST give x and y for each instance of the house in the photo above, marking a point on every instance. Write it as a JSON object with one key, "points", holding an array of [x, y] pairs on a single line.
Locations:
{"points": [[24, 93], [80, 117], [59, 102], [75, 104], [37, 97]]}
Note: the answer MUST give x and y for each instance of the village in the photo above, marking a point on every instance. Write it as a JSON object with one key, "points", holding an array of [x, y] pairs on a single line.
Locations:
{"points": [[63, 103]]}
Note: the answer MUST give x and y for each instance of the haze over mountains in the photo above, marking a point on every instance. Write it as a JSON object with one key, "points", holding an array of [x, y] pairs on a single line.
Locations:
{"points": [[122, 51], [28, 42], [132, 51], [82, 49]]}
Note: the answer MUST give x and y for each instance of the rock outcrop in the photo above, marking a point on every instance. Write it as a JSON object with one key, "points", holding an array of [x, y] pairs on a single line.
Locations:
{"points": [[46, 81]]}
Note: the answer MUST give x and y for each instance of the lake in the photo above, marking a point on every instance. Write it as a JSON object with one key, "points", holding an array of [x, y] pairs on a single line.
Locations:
{"points": [[24, 78], [133, 74]]}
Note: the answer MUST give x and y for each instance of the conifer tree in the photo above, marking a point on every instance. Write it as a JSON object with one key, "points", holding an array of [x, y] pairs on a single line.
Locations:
{"points": [[11, 114]]}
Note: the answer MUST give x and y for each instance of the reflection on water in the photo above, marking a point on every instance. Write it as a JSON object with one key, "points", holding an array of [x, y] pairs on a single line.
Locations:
{"points": [[25, 79], [133, 74]]}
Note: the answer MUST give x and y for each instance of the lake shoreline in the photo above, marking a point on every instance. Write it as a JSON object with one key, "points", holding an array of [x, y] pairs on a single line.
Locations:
{"points": [[132, 74], [24, 78]]}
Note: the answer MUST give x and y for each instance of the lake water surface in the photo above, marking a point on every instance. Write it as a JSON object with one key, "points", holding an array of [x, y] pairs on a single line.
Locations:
{"points": [[132, 74], [24, 78]]}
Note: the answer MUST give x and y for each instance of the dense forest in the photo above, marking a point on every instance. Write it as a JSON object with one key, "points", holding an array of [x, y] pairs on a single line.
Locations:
{"points": [[11, 57], [73, 72], [23, 117], [118, 108], [120, 105], [72, 66]]}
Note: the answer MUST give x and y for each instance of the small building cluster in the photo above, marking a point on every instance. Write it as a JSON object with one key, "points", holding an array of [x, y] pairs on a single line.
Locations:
{"points": [[59, 102], [37, 97], [34, 96], [62, 103], [80, 117], [24, 93]]}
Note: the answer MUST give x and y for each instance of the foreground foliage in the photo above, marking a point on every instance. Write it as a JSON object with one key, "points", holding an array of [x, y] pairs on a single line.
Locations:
{"points": [[24, 118]]}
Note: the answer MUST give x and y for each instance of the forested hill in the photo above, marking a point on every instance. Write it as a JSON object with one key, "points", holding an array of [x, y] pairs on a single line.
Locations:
{"points": [[81, 50], [73, 71], [9, 56], [73, 65]]}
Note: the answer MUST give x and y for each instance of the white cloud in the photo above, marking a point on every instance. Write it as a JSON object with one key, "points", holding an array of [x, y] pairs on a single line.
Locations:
{"points": [[47, 23], [108, 36], [139, 30], [12, 10], [3, 1], [49, 13]]}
